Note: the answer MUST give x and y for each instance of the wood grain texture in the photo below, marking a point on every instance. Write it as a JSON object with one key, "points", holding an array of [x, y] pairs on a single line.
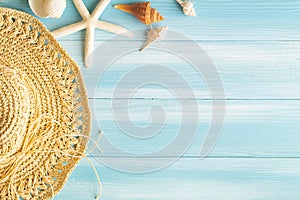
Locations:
{"points": [[248, 70], [217, 19], [213, 179], [252, 128], [255, 46]]}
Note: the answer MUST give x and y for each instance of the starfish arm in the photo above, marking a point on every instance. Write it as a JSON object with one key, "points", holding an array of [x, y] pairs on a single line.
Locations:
{"points": [[67, 30], [113, 28], [83, 11], [89, 46], [100, 8]]}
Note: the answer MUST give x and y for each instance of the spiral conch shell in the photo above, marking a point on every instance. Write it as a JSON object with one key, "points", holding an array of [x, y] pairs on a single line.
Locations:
{"points": [[142, 11], [153, 35], [188, 7], [48, 8]]}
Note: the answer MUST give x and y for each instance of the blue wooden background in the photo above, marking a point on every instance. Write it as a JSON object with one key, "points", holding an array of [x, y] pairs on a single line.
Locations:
{"points": [[255, 45]]}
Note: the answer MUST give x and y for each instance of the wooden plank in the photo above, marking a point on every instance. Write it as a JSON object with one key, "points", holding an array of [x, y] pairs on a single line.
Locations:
{"points": [[217, 20], [253, 128], [213, 179], [249, 71]]}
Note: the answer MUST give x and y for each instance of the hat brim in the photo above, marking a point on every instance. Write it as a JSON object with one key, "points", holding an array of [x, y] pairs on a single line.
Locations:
{"points": [[56, 90]]}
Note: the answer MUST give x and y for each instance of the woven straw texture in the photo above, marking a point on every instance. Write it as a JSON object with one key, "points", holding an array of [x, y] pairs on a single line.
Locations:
{"points": [[44, 114]]}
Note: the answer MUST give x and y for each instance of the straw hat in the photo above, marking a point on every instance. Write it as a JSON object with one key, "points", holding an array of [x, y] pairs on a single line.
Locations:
{"points": [[44, 113]]}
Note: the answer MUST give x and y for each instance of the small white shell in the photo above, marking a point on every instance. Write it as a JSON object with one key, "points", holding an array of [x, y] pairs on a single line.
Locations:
{"points": [[48, 8], [188, 7], [153, 35]]}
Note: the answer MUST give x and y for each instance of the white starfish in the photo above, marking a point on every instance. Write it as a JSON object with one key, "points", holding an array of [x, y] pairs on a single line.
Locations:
{"points": [[90, 22]]}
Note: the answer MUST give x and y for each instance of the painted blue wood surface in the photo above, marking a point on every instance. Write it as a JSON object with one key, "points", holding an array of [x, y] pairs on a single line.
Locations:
{"points": [[255, 46], [254, 20], [213, 179]]}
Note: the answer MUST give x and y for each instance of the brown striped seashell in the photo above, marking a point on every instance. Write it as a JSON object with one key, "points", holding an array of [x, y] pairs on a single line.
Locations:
{"points": [[142, 11]]}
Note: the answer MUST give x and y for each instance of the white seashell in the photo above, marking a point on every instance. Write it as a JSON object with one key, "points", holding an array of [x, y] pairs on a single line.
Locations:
{"points": [[153, 35], [188, 7], [48, 8], [55, 8]]}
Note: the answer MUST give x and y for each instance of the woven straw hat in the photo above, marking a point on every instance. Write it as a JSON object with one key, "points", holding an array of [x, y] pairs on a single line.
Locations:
{"points": [[44, 113]]}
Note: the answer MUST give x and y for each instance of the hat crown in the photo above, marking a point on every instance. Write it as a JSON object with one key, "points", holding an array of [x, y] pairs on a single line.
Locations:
{"points": [[14, 110]]}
